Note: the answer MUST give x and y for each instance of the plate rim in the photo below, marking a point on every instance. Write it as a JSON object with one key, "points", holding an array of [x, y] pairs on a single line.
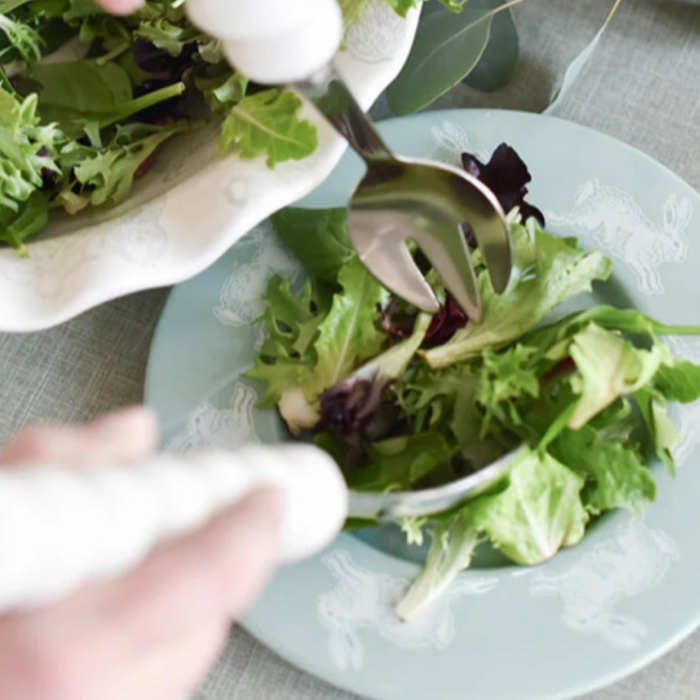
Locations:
{"points": [[624, 670]]}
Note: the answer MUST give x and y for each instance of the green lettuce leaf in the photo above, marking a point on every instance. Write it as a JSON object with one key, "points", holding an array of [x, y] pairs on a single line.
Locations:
{"points": [[20, 38], [615, 474], [402, 7], [349, 334], [549, 272], [398, 463], [222, 91], [267, 123], [318, 237], [291, 321], [538, 513], [505, 379], [609, 367], [664, 435], [445, 400], [107, 175], [679, 381], [628, 321], [17, 226], [314, 345], [454, 540], [27, 149]]}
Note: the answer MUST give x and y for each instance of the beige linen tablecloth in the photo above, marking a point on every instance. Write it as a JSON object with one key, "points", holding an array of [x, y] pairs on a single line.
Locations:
{"points": [[642, 86]]}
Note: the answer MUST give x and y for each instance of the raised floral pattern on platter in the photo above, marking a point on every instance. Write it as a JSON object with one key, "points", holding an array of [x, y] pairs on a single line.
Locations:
{"points": [[137, 238]]}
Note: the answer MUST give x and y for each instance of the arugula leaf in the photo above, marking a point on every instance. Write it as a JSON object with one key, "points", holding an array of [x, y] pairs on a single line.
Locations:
{"points": [[267, 123], [454, 540], [615, 474], [85, 91], [549, 271], [318, 237], [629, 321], [609, 367], [538, 513]]}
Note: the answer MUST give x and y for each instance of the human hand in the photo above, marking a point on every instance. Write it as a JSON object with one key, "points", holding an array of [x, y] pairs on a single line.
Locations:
{"points": [[120, 7], [152, 634]]}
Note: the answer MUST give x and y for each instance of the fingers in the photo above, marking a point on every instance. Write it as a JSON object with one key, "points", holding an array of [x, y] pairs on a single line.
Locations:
{"points": [[120, 7], [174, 669], [122, 436], [215, 573], [152, 634]]}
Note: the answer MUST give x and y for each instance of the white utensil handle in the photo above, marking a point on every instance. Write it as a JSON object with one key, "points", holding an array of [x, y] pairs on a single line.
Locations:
{"points": [[61, 527], [276, 41]]}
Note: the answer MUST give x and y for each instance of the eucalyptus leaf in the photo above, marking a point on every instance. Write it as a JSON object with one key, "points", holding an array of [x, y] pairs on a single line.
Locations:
{"points": [[500, 59], [447, 48], [579, 63]]}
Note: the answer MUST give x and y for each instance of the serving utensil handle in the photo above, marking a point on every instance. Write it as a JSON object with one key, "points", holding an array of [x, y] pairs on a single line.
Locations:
{"points": [[61, 528]]}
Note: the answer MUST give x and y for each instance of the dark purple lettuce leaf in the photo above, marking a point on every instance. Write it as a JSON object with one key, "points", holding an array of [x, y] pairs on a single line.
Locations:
{"points": [[445, 323], [507, 176], [356, 412], [397, 318]]}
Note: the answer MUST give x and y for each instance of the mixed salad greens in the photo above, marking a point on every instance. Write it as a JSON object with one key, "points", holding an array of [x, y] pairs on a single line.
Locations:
{"points": [[403, 400], [87, 99]]}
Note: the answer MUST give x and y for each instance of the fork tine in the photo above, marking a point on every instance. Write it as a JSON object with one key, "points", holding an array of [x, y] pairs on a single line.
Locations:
{"points": [[482, 211], [386, 256], [446, 248]]}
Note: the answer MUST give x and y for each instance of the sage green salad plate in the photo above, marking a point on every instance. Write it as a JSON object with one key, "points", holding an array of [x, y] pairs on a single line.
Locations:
{"points": [[596, 612]]}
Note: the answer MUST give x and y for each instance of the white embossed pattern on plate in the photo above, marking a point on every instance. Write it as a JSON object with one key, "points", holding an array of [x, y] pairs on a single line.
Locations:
{"points": [[619, 226], [363, 601], [210, 427], [634, 562]]}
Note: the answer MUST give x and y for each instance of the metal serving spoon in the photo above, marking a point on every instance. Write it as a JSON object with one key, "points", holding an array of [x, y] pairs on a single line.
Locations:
{"points": [[401, 199], [62, 527]]}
